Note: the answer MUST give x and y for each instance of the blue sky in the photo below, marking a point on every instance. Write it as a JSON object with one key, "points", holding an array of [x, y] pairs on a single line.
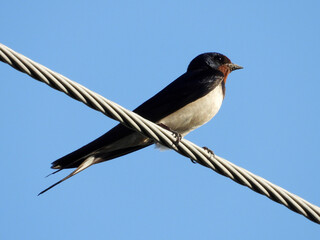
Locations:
{"points": [[128, 51]]}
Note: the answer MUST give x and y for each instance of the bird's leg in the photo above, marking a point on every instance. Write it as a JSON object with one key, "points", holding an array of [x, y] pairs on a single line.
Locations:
{"points": [[175, 134]]}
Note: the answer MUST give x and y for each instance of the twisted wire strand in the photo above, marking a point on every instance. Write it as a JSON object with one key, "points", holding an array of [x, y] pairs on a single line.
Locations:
{"points": [[159, 134]]}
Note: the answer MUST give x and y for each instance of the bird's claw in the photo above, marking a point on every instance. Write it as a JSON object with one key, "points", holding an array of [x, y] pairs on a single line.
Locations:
{"points": [[193, 161], [209, 151], [177, 135]]}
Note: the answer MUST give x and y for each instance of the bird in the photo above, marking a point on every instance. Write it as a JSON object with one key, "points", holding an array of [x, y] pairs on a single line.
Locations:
{"points": [[185, 104]]}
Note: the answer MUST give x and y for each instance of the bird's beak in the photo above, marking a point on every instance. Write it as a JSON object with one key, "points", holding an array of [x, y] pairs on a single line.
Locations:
{"points": [[233, 66]]}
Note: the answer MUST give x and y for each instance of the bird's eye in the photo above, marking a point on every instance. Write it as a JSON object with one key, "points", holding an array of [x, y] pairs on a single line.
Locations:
{"points": [[219, 59]]}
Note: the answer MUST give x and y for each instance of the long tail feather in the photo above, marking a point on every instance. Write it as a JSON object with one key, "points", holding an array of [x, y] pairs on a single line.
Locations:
{"points": [[85, 164], [54, 172]]}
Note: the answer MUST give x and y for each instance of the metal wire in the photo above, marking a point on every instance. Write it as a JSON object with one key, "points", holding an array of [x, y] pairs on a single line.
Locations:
{"points": [[159, 134]]}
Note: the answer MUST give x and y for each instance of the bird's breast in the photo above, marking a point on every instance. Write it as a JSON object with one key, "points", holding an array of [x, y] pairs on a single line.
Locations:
{"points": [[196, 113]]}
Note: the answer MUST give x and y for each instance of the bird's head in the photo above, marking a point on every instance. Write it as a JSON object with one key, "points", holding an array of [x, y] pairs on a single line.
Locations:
{"points": [[216, 61]]}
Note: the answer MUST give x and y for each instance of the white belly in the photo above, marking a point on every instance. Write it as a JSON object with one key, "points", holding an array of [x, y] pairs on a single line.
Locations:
{"points": [[196, 113]]}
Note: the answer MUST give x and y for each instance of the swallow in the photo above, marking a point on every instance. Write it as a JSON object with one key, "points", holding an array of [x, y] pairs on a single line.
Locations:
{"points": [[190, 101]]}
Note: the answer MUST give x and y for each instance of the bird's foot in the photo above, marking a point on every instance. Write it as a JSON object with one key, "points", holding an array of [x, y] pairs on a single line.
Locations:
{"points": [[174, 133], [209, 151], [193, 161]]}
